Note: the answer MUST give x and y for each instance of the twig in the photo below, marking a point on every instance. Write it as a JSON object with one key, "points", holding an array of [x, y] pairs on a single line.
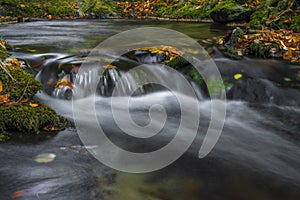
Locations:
{"points": [[6, 71], [23, 93], [280, 14]]}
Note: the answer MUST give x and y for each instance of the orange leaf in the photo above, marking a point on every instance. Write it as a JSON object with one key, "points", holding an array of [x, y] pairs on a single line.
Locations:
{"points": [[109, 67], [4, 98], [287, 55], [33, 105], [65, 82], [1, 87]]}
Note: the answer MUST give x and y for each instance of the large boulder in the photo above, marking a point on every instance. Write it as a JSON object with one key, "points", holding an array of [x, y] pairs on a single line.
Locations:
{"points": [[226, 15]]}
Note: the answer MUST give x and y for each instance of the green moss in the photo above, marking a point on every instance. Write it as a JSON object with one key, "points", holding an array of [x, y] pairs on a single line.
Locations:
{"points": [[3, 136], [259, 18], [229, 4], [3, 53], [194, 74], [177, 62], [37, 8], [295, 26], [18, 83], [101, 8], [24, 118]]}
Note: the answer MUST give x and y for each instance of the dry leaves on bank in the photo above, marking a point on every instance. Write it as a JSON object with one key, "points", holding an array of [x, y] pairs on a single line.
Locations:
{"points": [[287, 41]]}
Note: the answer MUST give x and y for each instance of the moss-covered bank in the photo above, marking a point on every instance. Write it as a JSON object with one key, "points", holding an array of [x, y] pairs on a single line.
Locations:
{"points": [[271, 13], [55, 9], [274, 14]]}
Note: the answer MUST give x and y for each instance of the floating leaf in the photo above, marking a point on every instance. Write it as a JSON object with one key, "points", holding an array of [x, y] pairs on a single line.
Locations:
{"points": [[45, 158], [237, 76], [287, 79], [18, 194], [193, 51], [41, 188]]}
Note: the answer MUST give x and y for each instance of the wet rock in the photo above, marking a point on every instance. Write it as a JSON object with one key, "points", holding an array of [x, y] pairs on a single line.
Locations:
{"points": [[263, 91], [108, 80], [225, 15]]}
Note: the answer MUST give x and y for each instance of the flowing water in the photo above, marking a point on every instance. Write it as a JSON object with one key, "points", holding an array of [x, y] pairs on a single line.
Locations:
{"points": [[256, 157]]}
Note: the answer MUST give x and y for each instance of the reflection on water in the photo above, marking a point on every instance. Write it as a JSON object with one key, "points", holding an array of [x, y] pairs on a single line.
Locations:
{"points": [[72, 36]]}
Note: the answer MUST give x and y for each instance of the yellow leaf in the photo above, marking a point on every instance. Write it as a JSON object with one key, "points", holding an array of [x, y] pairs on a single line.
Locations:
{"points": [[22, 6], [192, 51], [33, 105], [65, 82], [237, 76], [220, 41], [45, 158], [1, 87]]}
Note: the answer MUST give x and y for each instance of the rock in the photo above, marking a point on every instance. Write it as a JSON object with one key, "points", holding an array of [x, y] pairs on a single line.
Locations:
{"points": [[262, 91], [225, 15], [108, 80]]}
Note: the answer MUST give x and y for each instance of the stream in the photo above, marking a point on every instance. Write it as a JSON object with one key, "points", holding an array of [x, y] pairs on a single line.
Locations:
{"points": [[256, 157]]}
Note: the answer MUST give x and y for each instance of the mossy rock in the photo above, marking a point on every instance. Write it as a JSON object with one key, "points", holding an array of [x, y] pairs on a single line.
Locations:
{"points": [[18, 112], [27, 119], [225, 15], [18, 83]]}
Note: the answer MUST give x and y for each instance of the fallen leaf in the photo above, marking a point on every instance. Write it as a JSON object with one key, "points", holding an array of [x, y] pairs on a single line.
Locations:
{"points": [[1, 87], [65, 82], [33, 105], [109, 67], [18, 194], [287, 55], [4, 98], [237, 76], [45, 158], [193, 51], [220, 41]]}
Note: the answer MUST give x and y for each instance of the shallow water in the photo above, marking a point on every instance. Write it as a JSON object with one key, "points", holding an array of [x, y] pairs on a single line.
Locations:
{"points": [[256, 157]]}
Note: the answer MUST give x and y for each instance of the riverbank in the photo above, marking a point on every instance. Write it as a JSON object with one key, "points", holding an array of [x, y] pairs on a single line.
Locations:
{"points": [[273, 14]]}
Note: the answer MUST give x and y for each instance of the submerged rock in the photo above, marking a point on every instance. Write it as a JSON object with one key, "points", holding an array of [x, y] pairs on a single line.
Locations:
{"points": [[262, 91]]}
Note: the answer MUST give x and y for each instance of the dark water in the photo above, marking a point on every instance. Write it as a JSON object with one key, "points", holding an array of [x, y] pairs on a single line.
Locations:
{"points": [[73, 36], [256, 157]]}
